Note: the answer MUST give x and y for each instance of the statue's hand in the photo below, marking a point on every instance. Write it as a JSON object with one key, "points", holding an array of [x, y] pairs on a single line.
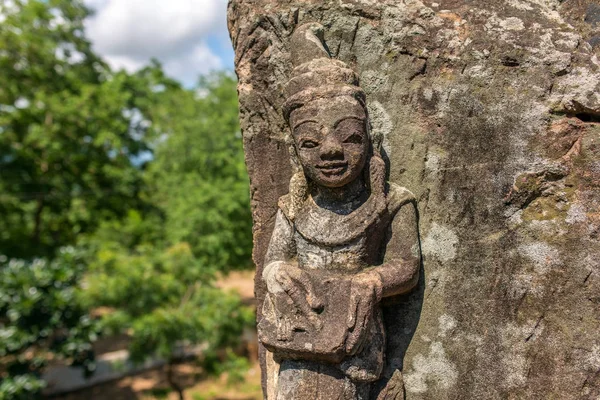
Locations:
{"points": [[296, 283], [365, 295]]}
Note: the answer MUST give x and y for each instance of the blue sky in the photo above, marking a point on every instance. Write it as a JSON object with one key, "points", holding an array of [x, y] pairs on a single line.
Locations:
{"points": [[222, 48], [189, 37]]}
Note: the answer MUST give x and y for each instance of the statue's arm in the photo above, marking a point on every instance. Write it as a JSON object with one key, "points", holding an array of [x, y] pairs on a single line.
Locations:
{"points": [[398, 274], [400, 271], [281, 250], [281, 273]]}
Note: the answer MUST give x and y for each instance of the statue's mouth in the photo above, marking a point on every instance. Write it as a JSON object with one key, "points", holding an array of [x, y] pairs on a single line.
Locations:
{"points": [[334, 168]]}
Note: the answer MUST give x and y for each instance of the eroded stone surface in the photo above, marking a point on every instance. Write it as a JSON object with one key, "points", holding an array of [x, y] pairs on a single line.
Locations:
{"points": [[489, 114]]}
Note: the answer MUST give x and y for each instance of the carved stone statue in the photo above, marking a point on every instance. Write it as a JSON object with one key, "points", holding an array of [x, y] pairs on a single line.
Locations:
{"points": [[344, 239]]}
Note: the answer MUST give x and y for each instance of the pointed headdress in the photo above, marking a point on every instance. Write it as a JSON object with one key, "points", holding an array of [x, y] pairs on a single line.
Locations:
{"points": [[316, 76]]}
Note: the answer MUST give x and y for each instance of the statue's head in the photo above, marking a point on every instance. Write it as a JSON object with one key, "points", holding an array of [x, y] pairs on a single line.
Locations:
{"points": [[331, 139], [326, 110]]}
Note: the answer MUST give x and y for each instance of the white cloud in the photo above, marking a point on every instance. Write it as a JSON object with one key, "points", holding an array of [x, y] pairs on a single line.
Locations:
{"points": [[130, 32], [199, 60], [124, 62]]}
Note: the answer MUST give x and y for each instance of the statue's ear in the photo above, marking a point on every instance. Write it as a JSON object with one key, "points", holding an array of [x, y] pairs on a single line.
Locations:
{"points": [[376, 174], [298, 194], [376, 137]]}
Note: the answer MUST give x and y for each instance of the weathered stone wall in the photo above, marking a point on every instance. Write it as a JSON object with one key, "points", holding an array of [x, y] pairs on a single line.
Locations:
{"points": [[489, 113]]}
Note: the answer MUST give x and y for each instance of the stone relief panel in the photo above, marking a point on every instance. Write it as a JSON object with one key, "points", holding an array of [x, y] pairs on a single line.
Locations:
{"points": [[345, 244]]}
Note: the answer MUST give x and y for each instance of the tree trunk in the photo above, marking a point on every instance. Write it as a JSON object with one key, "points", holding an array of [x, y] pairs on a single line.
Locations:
{"points": [[171, 379], [489, 113]]}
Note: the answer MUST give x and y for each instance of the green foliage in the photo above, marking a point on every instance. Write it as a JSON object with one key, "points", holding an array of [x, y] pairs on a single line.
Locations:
{"points": [[67, 130], [206, 316], [162, 296], [41, 319], [125, 192], [21, 387], [155, 267], [234, 366], [198, 175]]}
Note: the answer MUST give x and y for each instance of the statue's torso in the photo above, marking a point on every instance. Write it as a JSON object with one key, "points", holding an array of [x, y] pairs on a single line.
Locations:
{"points": [[341, 243], [334, 247]]}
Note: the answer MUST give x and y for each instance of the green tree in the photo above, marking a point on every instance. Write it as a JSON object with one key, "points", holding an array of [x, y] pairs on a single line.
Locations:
{"points": [[67, 130], [155, 269], [66, 148], [86, 223], [198, 177], [41, 319], [164, 299]]}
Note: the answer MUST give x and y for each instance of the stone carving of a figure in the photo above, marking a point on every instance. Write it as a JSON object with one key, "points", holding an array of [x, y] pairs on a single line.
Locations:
{"points": [[344, 239]]}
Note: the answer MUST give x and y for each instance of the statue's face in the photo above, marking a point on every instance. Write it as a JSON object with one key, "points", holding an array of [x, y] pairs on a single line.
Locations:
{"points": [[331, 140]]}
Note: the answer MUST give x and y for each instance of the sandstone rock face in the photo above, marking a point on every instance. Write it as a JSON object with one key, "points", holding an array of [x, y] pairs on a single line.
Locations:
{"points": [[488, 112]]}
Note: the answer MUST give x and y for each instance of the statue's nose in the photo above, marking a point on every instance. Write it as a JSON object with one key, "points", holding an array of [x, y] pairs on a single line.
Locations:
{"points": [[332, 148]]}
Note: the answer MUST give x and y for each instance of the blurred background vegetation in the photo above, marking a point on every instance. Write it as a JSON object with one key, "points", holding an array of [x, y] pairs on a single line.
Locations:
{"points": [[123, 198]]}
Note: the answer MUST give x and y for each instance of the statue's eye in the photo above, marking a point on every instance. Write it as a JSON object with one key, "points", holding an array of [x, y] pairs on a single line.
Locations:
{"points": [[352, 130], [308, 144], [354, 138]]}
